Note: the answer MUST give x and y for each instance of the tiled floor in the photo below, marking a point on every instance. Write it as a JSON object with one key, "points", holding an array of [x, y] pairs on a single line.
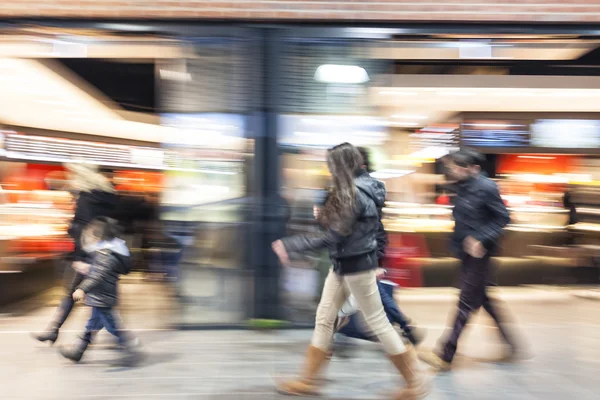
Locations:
{"points": [[563, 333]]}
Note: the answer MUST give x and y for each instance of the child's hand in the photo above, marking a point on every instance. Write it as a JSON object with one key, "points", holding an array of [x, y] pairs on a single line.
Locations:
{"points": [[78, 295], [81, 267]]}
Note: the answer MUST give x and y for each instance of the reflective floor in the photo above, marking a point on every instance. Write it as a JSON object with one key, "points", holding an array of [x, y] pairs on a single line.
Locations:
{"points": [[560, 329]]}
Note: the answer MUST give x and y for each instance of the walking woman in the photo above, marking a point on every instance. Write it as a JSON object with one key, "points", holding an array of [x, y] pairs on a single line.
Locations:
{"points": [[351, 221], [96, 197]]}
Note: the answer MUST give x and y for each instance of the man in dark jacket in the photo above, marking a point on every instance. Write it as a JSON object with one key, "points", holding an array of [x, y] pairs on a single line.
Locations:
{"points": [[110, 258], [96, 198], [480, 216]]}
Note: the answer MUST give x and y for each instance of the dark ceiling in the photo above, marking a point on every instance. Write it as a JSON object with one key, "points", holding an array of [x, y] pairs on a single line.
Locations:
{"points": [[131, 85]]}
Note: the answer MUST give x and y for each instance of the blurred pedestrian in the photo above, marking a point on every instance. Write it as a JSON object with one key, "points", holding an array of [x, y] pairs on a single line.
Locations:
{"points": [[570, 205], [109, 258], [351, 325], [480, 216], [164, 244], [96, 197], [351, 221]]}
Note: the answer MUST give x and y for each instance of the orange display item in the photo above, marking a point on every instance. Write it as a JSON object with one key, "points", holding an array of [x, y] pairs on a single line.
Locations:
{"points": [[138, 181], [45, 245], [540, 164]]}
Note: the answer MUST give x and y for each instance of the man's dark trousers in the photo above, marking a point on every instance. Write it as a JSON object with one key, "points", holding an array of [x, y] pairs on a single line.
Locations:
{"points": [[67, 303], [476, 276]]}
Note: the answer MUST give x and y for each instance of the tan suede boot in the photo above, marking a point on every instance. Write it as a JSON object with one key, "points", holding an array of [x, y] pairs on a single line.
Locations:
{"points": [[307, 383], [318, 379], [406, 364]]}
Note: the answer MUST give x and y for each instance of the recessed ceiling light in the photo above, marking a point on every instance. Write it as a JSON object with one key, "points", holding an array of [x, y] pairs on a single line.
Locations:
{"points": [[348, 74], [175, 75]]}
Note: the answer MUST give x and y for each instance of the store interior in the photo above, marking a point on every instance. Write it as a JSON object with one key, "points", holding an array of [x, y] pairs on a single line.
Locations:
{"points": [[539, 132], [527, 102]]}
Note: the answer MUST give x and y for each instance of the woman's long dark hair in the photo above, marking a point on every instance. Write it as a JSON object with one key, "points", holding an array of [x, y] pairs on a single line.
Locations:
{"points": [[344, 162]]}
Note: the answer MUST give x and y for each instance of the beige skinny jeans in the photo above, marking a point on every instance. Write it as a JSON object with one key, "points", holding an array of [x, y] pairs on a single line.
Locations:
{"points": [[363, 286]]}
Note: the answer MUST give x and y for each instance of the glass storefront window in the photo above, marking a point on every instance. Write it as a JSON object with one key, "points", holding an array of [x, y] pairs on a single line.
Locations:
{"points": [[205, 104]]}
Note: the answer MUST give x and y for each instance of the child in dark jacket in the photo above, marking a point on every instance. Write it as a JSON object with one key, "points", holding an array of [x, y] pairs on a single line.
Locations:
{"points": [[110, 258]]}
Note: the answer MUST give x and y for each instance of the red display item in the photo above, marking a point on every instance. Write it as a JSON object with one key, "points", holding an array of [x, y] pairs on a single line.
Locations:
{"points": [[443, 200], [402, 259]]}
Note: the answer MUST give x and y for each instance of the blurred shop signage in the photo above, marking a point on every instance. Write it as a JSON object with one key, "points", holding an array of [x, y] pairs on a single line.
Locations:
{"points": [[493, 133], [325, 131], [147, 156], [58, 150], [566, 133], [174, 157], [205, 130], [444, 136]]}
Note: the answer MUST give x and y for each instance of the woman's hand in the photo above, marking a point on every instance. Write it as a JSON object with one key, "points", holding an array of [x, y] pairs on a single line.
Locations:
{"points": [[316, 212], [78, 295], [281, 252], [380, 273]]}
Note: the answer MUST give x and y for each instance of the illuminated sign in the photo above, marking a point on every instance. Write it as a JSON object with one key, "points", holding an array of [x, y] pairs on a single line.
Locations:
{"points": [[566, 133], [495, 134]]}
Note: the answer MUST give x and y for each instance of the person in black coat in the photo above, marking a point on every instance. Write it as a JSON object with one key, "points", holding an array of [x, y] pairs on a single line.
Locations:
{"points": [[479, 217], [96, 197], [351, 222], [109, 258]]}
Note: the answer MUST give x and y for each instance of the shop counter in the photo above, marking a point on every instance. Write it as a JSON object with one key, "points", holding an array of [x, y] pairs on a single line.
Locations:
{"points": [[30, 265], [424, 259], [27, 275]]}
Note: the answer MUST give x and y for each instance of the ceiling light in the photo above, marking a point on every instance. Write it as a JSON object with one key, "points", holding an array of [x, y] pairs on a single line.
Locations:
{"points": [[348, 74], [175, 75]]}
